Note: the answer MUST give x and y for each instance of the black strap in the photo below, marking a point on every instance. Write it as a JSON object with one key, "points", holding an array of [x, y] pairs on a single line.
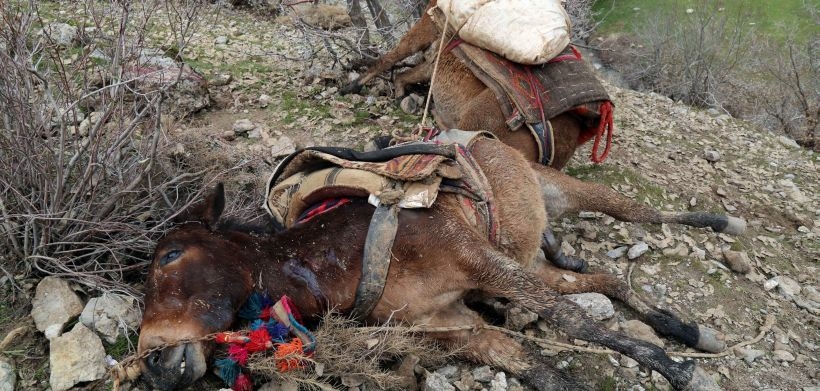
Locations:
{"points": [[376, 259]]}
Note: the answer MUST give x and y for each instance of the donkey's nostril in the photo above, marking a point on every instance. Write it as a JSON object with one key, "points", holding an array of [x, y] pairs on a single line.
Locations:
{"points": [[153, 359]]}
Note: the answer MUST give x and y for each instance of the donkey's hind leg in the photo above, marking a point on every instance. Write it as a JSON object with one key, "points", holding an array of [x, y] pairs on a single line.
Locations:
{"points": [[501, 276], [564, 193], [664, 322], [497, 349], [555, 254]]}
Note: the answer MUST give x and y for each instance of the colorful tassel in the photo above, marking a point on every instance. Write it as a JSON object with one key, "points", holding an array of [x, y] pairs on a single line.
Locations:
{"points": [[239, 354], [243, 383], [288, 355], [259, 340], [228, 370]]}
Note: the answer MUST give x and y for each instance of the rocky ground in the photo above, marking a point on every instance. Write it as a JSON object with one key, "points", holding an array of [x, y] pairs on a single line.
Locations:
{"points": [[267, 98]]}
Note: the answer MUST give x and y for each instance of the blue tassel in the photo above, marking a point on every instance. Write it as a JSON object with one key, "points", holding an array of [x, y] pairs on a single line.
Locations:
{"points": [[257, 324], [228, 370], [277, 331], [252, 307]]}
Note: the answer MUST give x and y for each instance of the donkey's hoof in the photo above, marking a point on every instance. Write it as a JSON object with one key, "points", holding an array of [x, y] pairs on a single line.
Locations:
{"points": [[572, 264], [735, 226], [710, 340], [353, 88], [702, 381]]}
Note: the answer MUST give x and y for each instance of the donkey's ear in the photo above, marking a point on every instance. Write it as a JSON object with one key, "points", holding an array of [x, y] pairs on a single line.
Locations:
{"points": [[209, 210], [214, 205]]}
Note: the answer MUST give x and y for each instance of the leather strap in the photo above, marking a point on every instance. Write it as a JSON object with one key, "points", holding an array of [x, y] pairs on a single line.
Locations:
{"points": [[376, 260]]}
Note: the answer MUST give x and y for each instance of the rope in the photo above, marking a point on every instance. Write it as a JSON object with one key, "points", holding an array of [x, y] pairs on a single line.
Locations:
{"points": [[122, 371], [416, 134], [606, 125]]}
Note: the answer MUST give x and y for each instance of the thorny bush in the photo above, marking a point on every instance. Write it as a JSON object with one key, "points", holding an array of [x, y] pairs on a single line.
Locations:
{"points": [[85, 186]]}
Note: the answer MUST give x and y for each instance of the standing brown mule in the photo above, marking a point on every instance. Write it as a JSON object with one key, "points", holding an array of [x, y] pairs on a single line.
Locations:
{"points": [[204, 269]]}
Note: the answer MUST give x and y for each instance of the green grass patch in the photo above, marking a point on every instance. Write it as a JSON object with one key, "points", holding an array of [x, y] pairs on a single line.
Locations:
{"points": [[770, 18], [607, 384], [123, 347], [609, 175]]}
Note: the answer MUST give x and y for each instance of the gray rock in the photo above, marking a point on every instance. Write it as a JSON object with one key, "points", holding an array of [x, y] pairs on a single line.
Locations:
{"points": [[483, 374], [76, 356], [282, 146], [711, 156], [67, 117], [280, 386], [221, 79], [785, 285], [8, 377], [783, 355], [410, 105], [637, 250], [499, 382], [243, 125], [436, 382], [617, 252], [738, 261], [62, 34], [221, 40], [596, 305], [449, 371], [54, 305], [517, 318], [155, 72], [111, 315], [264, 100], [788, 142], [640, 330], [749, 355]]}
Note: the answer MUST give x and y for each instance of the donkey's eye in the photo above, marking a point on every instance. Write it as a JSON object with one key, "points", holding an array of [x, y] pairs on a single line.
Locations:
{"points": [[169, 257]]}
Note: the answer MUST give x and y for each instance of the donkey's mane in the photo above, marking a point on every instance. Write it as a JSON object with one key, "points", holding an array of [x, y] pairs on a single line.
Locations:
{"points": [[263, 225]]}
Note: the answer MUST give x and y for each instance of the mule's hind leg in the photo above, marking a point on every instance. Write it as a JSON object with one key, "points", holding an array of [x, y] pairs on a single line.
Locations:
{"points": [[664, 322], [497, 349], [563, 193], [499, 275]]}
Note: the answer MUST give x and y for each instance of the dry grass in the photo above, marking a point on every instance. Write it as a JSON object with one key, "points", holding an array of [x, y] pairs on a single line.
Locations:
{"points": [[350, 352]]}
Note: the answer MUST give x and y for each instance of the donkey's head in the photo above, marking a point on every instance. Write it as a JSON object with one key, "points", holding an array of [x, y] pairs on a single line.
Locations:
{"points": [[196, 283]]}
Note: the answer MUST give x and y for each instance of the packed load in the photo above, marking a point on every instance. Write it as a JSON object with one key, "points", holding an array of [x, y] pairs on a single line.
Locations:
{"points": [[523, 31]]}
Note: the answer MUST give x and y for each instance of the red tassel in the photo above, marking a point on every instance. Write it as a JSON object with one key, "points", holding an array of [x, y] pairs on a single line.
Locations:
{"points": [[259, 340], [229, 337], [266, 313], [242, 383], [606, 125], [238, 353]]}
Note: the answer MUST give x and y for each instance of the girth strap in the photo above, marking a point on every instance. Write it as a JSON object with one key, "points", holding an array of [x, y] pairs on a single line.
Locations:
{"points": [[376, 259]]}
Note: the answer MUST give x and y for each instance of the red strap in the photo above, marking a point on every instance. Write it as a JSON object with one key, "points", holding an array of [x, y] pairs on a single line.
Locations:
{"points": [[606, 125]]}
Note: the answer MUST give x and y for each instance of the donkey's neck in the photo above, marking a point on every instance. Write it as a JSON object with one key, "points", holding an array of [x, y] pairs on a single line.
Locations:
{"points": [[317, 274]]}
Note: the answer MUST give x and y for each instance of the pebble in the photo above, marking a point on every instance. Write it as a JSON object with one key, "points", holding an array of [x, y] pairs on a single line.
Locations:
{"points": [[617, 252], [596, 305], [221, 40], [749, 355], [483, 374], [499, 382], [8, 378], [738, 261], [637, 329], [437, 382], [221, 79], [54, 305], [712, 156], [785, 285], [74, 357], [637, 250], [243, 125], [783, 355]]}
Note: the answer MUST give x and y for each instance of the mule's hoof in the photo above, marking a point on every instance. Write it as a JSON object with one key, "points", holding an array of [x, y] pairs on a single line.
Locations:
{"points": [[735, 226], [573, 264], [352, 88], [702, 381], [710, 340]]}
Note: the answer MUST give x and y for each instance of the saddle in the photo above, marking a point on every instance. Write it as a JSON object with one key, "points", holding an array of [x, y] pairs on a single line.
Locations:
{"points": [[411, 175], [529, 95]]}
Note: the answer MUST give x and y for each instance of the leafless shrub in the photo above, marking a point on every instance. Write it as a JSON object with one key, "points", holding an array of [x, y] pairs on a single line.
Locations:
{"points": [[690, 56], [582, 17], [84, 184], [345, 350]]}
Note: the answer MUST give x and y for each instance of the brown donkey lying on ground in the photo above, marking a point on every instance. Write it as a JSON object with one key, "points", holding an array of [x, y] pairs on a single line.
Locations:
{"points": [[204, 269]]}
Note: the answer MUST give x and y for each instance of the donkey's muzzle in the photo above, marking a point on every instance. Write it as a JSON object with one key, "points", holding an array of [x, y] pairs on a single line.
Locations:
{"points": [[175, 367]]}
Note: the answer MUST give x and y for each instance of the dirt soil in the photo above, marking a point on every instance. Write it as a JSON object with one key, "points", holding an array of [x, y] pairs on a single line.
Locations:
{"points": [[659, 158]]}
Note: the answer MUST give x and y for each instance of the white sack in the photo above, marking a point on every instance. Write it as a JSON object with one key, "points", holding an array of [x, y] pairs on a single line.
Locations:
{"points": [[523, 31]]}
